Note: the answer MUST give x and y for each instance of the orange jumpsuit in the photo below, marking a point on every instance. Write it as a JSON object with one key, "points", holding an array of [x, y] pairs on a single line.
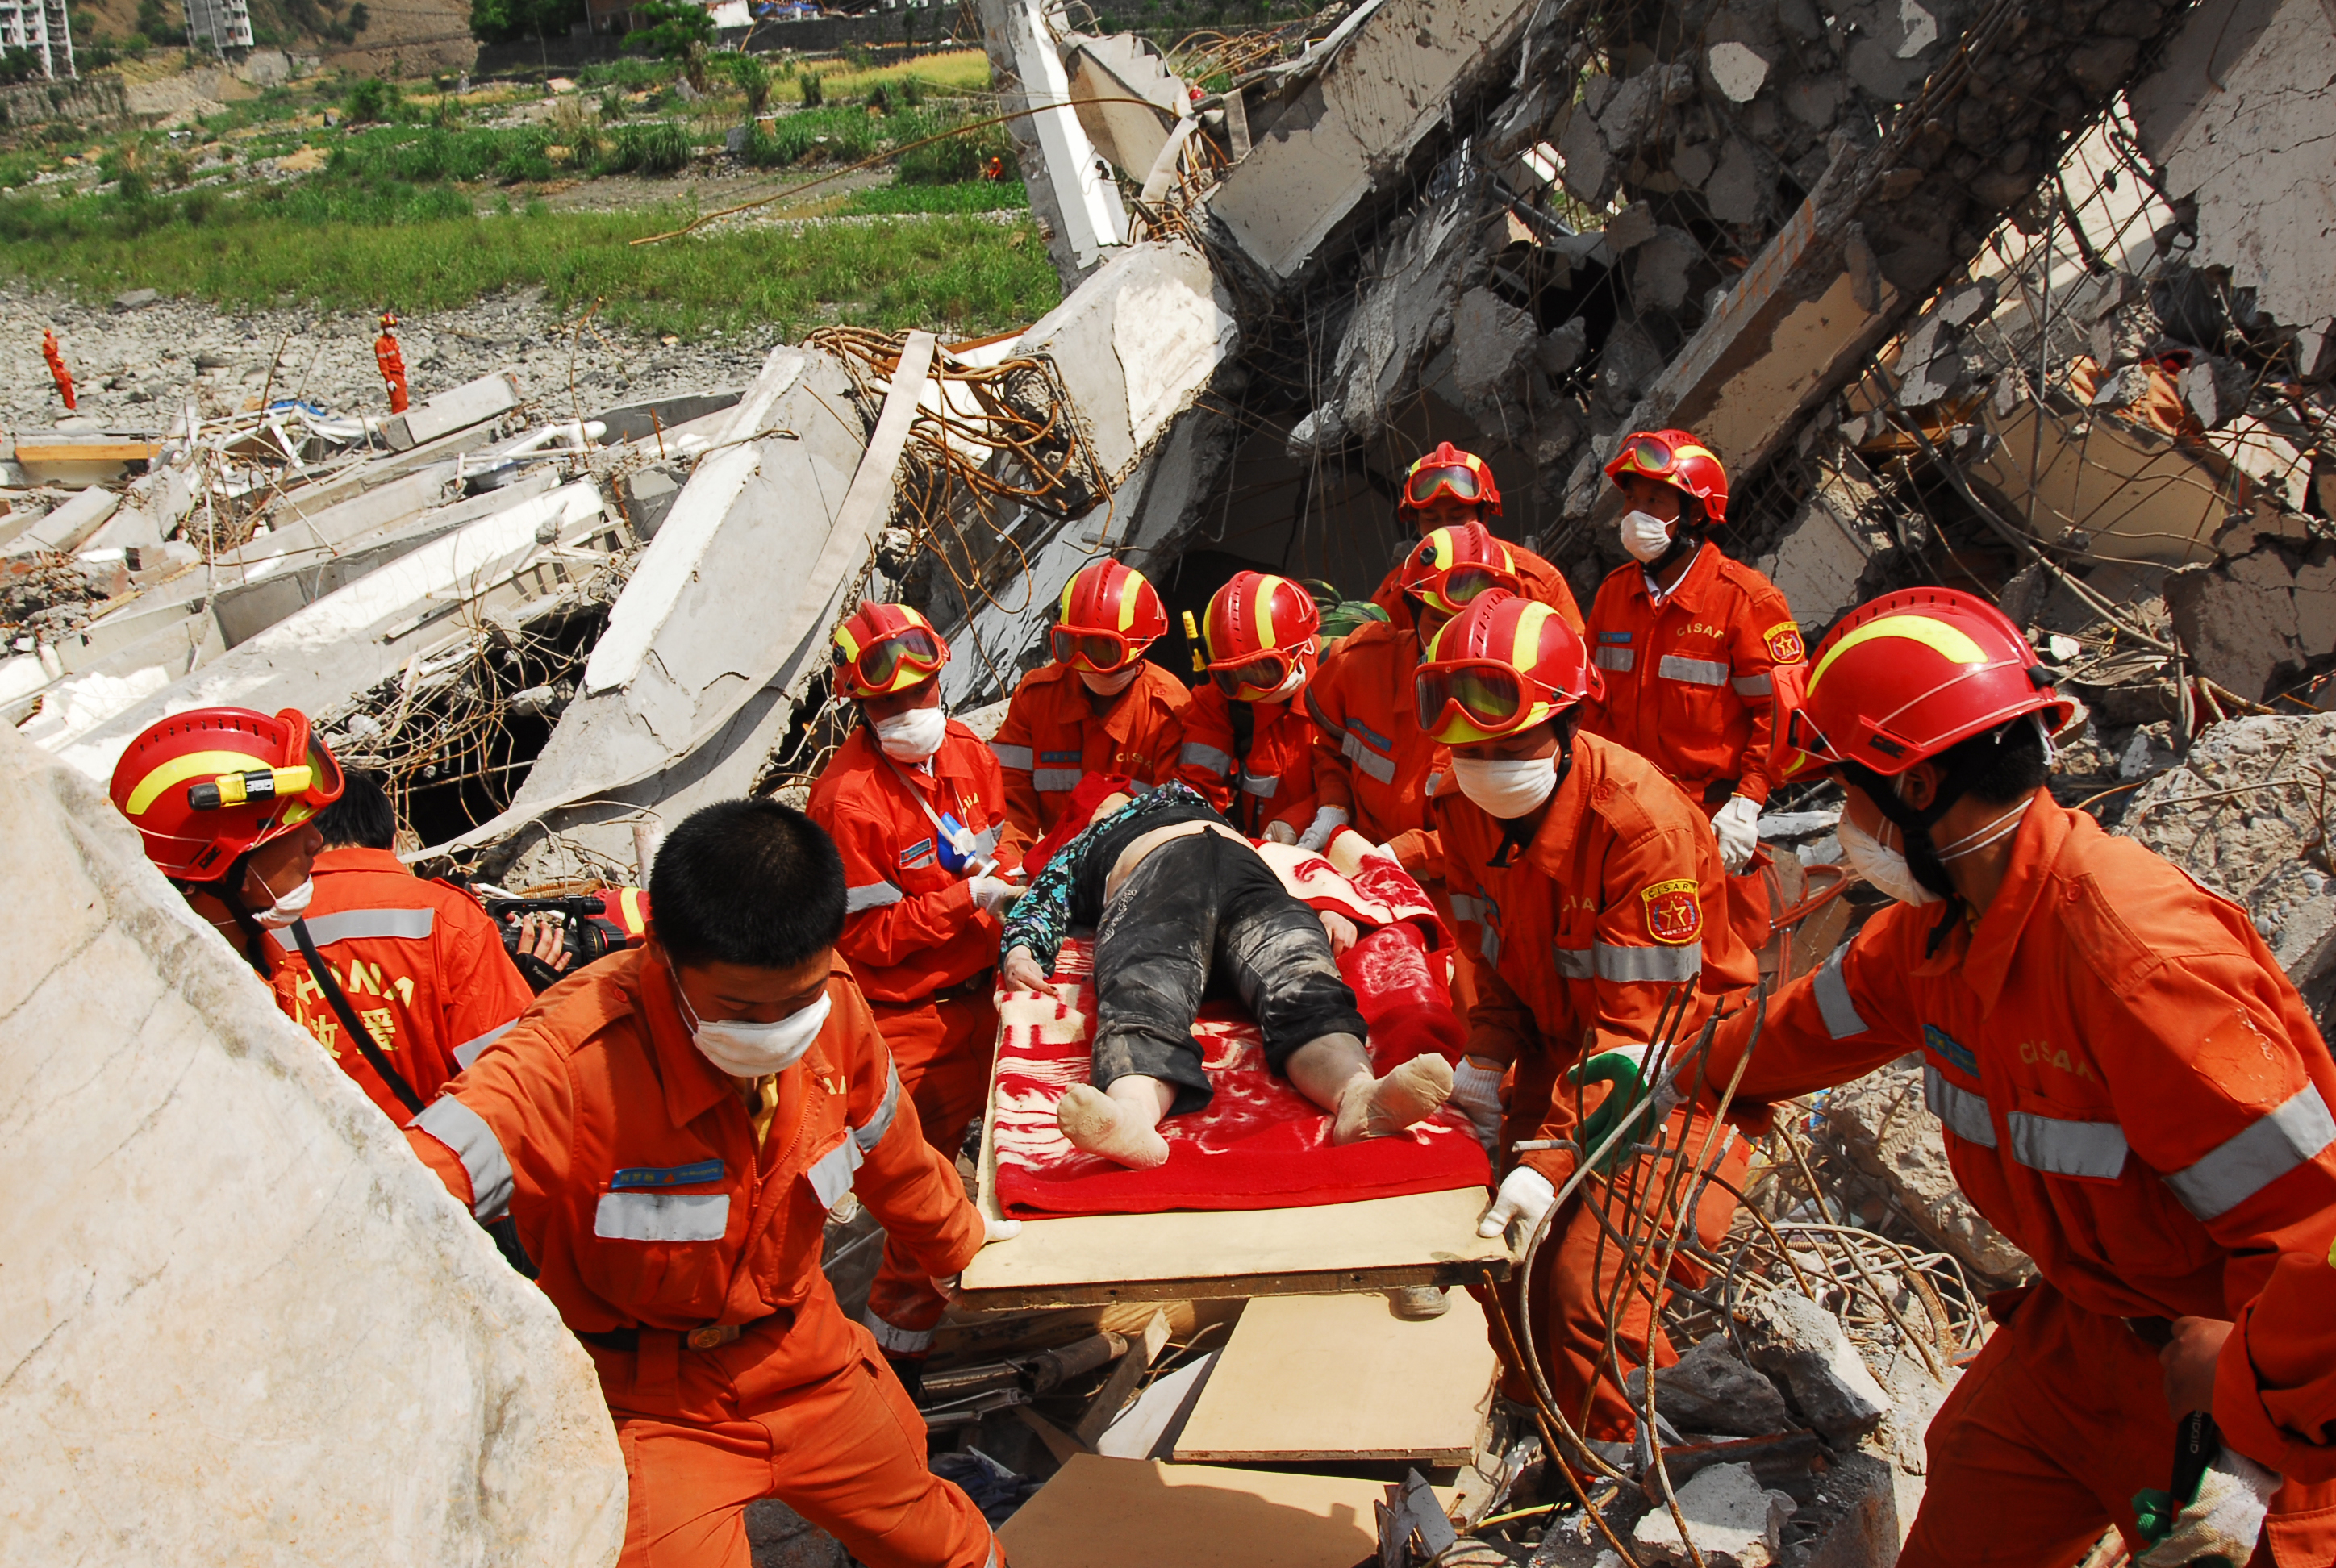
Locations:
{"points": [[391, 361], [923, 953], [679, 1236], [1053, 736], [1687, 687], [422, 964], [2134, 1094], [57, 371], [1542, 582], [1591, 928], [1275, 774], [2275, 1383]]}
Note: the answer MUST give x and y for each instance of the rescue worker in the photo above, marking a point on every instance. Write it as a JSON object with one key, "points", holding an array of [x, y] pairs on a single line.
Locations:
{"points": [[1099, 708], [667, 1131], [391, 361], [1584, 884], [2131, 1089], [916, 807], [1447, 488], [1687, 641], [1249, 742], [57, 371]]}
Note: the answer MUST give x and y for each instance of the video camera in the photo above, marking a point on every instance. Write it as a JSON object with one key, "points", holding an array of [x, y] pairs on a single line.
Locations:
{"points": [[589, 934]]}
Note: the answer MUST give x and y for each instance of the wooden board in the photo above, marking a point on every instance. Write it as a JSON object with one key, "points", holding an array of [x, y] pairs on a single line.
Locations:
{"points": [[1338, 1377], [1099, 1513]]}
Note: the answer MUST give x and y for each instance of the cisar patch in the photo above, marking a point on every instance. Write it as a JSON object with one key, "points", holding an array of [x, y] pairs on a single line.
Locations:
{"points": [[1674, 913], [1950, 1050], [1784, 641]]}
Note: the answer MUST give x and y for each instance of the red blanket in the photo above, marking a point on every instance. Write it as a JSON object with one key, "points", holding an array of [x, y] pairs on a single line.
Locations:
{"points": [[1260, 1145]]}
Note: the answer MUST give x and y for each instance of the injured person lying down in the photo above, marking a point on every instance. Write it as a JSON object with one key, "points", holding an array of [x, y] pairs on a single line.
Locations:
{"points": [[1178, 897]]}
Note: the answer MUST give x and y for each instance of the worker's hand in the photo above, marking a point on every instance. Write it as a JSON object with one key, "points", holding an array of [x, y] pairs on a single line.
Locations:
{"points": [[1281, 833], [1340, 930], [543, 936], [994, 895], [1021, 971], [2222, 1521], [1525, 1196], [2189, 1359], [1476, 1094], [1329, 820], [1737, 824], [1629, 1098]]}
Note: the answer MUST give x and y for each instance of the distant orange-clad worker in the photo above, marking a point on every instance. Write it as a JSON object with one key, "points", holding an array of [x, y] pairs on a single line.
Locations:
{"points": [[667, 1131], [1100, 707], [392, 360], [1583, 883], [1249, 741], [57, 371], [1449, 487], [917, 808]]}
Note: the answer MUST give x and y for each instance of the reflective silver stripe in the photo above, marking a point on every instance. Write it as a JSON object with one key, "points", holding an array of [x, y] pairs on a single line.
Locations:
{"points": [[1381, 768], [1261, 785], [993, 1553], [1619, 659], [1195, 755], [468, 1051], [1694, 671], [2061, 1148], [1435, 783], [464, 1131], [1062, 779], [902, 1342], [1753, 686], [1839, 1014], [879, 1124], [986, 840], [831, 1174], [1963, 1113], [662, 1216], [406, 925], [2247, 1163], [1574, 963], [1683, 962], [870, 896], [1014, 756], [1469, 907]]}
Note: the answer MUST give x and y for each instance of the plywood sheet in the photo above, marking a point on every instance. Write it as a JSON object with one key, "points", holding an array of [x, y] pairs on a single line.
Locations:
{"points": [[1320, 1377], [1099, 1513]]}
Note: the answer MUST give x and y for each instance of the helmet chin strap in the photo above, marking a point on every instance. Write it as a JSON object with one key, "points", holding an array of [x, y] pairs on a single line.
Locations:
{"points": [[1913, 826], [1687, 538], [229, 892]]}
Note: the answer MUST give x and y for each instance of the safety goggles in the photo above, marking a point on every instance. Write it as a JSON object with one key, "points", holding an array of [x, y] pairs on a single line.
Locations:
{"points": [[877, 666], [1462, 584], [1255, 677], [1095, 652], [1484, 693], [1648, 455], [1458, 480]]}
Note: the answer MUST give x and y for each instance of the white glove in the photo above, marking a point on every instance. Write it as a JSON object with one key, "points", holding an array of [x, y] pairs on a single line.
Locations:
{"points": [[1476, 1094], [2225, 1519], [1327, 821], [995, 895], [1281, 833], [1737, 824], [1525, 1196], [998, 1230]]}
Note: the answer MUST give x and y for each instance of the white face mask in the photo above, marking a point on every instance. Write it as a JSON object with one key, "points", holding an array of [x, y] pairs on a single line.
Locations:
{"points": [[1883, 867], [1645, 536], [287, 907], [1508, 790], [913, 735], [1111, 685], [745, 1050]]}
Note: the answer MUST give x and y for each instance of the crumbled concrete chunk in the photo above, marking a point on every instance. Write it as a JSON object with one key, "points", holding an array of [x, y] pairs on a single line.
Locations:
{"points": [[1736, 1523], [1801, 1345]]}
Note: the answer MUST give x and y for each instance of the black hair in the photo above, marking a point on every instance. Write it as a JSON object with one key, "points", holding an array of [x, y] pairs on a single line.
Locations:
{"points": [[750, 883], [363, 817]]}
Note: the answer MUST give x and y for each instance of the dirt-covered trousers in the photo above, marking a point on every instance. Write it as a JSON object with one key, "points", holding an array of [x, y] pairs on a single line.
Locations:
{"points": [[1203, 909]]}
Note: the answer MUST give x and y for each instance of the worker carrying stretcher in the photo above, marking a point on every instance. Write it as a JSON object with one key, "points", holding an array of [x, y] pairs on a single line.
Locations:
{"points": [[2131, 1090], [1178, 898], [1248, 742]]}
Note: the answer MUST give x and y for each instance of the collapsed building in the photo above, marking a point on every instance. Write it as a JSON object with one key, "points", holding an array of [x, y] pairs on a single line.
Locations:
{"points": [[2031, 301]]}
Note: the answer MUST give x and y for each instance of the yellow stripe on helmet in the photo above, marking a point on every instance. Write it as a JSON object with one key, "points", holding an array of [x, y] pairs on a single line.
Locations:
{"points": [[1129, 583], [1267, 586], [847, 644], [200, 765], [1525, 652], [1948, 642], [1063, 610]]}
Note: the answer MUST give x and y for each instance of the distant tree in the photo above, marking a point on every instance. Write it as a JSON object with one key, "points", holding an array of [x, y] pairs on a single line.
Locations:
{"points": [[666, 28], [508, 20], [19, 65]]}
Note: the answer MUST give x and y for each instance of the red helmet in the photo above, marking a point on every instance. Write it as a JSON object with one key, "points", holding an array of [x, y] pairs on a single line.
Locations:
{"points": [[1449, 567], [1680, 460], [1906, 676], [1259, 629], [1109, 616], [1504, 665], [882, 648], [1448, 470], [205, 786]]}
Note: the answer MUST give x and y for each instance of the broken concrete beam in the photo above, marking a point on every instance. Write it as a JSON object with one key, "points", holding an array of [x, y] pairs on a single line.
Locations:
{"points": [[1071, 195], [1709, 1391], [1801, 1345], [1345, 153], [457, 408], [69, 524], [1733, 1520], [1401, 312], [329, 1361], [1858, 1518], [1883, 1128], [2250, 620], [1105, 72], [1821, 561]]}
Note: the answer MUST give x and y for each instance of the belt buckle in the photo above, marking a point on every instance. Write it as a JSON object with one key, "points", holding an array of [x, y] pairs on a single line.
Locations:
{"points": [[712, 1337]]}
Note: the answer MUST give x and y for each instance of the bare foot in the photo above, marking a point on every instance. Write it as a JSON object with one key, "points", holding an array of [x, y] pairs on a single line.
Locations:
{"points": [[1097, 1124], [1373, 1108]]}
